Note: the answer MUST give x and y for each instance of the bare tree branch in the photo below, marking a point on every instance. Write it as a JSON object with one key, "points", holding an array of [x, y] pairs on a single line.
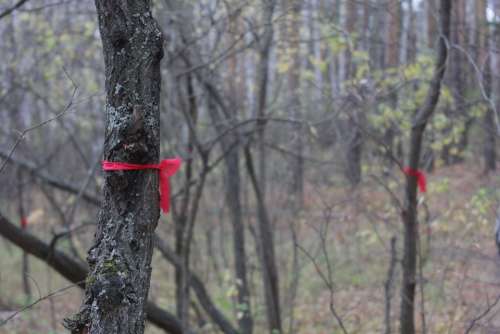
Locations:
{"points": [[10, 10]]}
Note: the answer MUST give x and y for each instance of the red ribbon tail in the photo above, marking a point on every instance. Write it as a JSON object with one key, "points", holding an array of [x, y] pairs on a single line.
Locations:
{"points": [[164, 192], [422, 184], [168, 168], [24, 223]]}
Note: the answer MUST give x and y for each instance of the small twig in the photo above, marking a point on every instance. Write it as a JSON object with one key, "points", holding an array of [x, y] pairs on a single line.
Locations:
{"points": [[10, 10], [23, 133], [66, 233], [329, 284], [482, 315], [50, 295]]}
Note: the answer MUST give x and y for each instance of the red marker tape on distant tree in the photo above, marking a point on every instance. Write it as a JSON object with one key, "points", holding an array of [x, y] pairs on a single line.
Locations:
{"points": [[421, 180], [24, 223], [166, 168]]}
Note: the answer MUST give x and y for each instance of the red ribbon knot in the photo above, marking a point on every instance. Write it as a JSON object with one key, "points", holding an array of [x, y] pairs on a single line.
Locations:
{"points": [[421, 180], [166, 168]]}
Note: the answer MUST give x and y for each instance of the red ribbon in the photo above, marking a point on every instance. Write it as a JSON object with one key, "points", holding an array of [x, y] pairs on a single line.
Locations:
{"points": [[421, 180], [24, 223], [167, 168]]}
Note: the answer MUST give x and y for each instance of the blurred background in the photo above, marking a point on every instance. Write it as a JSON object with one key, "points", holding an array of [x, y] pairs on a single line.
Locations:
{"points": [[293, 119]]}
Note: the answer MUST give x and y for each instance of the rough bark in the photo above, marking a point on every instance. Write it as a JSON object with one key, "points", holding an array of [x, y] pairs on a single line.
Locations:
{"points": [[409, 214], [120, 260], [74, 270]]}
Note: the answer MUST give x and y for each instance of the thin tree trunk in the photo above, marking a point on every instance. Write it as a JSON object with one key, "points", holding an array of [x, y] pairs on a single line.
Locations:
{"points": [[266, 251], [376, 45], [430, 10], [409, 214], [489, 148], [461, 95], [120, 260], [392, 61], [295, 103], [264, 51], [233, 186], [409, 52], [458, 79], [266, 238], [234, 200], [389, 286], [489, 118], [354, 135], [231, 145]]}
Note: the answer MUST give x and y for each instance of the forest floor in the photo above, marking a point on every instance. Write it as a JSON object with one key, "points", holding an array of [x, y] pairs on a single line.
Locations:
{"points": [[343, 239]]}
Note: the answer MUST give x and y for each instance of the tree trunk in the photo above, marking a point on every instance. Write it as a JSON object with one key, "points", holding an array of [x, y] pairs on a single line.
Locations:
{"points": [[233, 183], [430, 11], [376, 49], [233, 189], [459, 76], [264, 51], [120, 260], [266, 233], [354, 144], [230, 143], [266, 252], [294, 104], [392, 61], [410, 36], [489, 149], [409, 214]]}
